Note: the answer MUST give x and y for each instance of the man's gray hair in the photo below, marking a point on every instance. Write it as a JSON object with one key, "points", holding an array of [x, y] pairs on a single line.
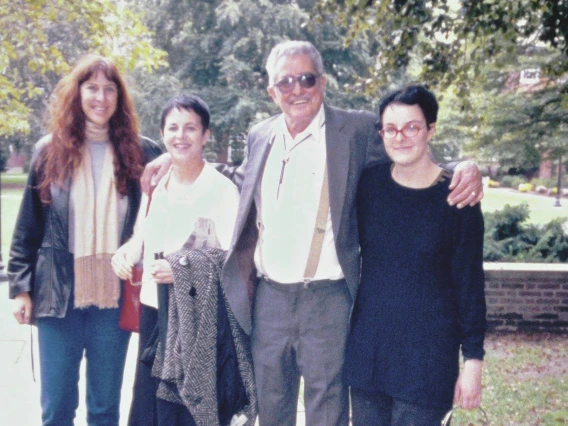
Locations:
{"points": [[292, 48]]}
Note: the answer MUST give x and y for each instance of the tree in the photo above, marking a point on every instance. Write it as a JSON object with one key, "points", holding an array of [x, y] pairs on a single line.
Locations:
{"points": [[467, 51], [218, 49], [40, 38], [449, 40]]}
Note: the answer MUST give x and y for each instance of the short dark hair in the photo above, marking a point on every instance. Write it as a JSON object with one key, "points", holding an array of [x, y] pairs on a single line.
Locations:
{"points": [[412, 95], [188, 102]]}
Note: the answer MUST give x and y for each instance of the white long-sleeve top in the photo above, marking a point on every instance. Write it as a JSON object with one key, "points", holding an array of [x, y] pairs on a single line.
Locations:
{"points": [[211, 199]]}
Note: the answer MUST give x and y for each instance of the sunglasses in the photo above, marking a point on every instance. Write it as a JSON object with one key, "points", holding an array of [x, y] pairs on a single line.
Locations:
{"points": [[287, 84]]}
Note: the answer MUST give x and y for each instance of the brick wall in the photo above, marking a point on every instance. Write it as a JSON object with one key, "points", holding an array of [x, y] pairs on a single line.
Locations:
{"points": [[527, 296]]}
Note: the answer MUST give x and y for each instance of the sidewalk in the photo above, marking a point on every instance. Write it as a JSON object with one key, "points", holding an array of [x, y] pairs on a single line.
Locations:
{"points": [[19, 394]]}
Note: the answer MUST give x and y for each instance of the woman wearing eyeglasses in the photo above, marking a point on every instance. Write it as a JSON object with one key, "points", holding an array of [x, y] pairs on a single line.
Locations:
{"points": [[421, 297]]}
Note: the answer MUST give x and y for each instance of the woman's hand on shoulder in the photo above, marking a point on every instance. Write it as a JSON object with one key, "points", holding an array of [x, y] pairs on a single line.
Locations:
{"points": [[154, 171], [467, 392], [23, 308]]}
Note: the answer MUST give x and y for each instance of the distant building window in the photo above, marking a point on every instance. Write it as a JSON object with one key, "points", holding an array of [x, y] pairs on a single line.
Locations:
{"points": [[530, 76]]}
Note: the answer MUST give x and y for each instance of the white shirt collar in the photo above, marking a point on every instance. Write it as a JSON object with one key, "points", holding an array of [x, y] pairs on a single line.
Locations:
{"points": [[314, 128]]}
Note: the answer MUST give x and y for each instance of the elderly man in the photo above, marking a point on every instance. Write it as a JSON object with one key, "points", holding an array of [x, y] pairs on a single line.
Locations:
{"points": [[292, 271]]}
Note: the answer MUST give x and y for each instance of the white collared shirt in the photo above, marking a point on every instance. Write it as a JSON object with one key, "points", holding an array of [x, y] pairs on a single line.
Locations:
{"points": [[289, 200]]}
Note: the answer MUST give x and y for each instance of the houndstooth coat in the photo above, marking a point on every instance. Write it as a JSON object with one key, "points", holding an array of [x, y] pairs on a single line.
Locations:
{"points": [[187, 364]]}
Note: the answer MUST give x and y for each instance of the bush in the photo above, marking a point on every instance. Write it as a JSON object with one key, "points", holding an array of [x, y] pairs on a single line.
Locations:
{"points": [[544, 182], [509, 181], [525, 187], [508, 239]]}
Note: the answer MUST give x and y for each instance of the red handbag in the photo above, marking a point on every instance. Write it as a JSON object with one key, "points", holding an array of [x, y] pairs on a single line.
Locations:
{"points": [[130, 310]]}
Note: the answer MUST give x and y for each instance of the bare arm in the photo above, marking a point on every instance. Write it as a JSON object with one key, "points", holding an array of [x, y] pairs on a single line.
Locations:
{"points": [[154, 171]]}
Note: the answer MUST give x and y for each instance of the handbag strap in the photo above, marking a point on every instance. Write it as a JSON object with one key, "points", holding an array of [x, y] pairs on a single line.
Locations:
{"points": [[448, 416], [319, 230]]}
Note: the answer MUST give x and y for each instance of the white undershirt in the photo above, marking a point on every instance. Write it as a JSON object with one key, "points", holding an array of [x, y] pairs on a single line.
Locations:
{"points": [[289, 203]]}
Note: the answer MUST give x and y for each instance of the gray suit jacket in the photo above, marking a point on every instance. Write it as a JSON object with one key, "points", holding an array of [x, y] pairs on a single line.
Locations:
{"points": [[352, 143]]}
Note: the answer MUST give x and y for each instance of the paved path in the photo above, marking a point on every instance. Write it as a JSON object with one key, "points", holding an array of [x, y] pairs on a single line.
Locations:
{"points": [[19, 394]]}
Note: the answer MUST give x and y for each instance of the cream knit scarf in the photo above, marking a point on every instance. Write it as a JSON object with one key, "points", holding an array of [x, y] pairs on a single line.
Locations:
{"points": [[96, 228]]}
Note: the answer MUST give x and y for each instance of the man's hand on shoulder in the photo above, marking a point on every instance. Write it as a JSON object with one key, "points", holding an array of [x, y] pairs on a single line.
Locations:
{"points": [[154, 171], [466, 185]]}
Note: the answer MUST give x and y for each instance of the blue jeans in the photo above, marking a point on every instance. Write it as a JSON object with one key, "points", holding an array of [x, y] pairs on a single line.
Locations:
{"points": [[62, 342]]}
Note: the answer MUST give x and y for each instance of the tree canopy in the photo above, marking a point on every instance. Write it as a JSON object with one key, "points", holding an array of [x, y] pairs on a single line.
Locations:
{"points": [[218, 50], [468, 52], [40, 38]]}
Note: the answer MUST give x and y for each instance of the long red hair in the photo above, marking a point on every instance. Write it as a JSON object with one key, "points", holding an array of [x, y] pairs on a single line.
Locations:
{"points": [[66, 123]]}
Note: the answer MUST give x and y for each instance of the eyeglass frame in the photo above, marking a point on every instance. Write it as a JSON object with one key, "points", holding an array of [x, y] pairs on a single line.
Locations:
{"points": [[300, 79], [403, 131]]}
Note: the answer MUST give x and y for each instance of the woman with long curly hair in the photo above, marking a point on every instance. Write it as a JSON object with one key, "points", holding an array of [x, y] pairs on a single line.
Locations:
{"points": [[79, 205]]}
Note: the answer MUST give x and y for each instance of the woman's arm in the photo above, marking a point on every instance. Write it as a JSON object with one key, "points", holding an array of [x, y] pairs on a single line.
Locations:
{"points": [[27, 238], [130, 252], [467, 392], [468, 279]]}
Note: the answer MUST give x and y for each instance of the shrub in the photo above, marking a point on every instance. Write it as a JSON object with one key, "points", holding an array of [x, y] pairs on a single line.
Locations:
{"points": [[508, 239], [544, 182], [509, 181], [525, 187]]}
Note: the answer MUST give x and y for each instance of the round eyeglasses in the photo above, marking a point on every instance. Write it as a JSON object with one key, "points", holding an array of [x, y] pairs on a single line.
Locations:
{"points": [[286, 84], [408, 131]]}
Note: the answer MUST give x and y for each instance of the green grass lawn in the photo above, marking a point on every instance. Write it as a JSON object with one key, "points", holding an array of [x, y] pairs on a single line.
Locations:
{"points": [[542, 209], [525, 380]]}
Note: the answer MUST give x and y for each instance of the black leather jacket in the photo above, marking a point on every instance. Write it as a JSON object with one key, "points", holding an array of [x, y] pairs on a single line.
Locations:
{"points": [[40, 262]]}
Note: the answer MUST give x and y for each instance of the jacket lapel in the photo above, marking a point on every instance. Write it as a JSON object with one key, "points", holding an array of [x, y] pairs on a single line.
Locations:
{"points": [[256, 161], [337, 149]]}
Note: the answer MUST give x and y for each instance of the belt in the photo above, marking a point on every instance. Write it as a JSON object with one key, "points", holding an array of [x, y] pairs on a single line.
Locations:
{"points": [[300, 285]]}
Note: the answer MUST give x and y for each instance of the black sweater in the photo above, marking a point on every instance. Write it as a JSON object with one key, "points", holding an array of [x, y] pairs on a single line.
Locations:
{"points": [[421, 295]]}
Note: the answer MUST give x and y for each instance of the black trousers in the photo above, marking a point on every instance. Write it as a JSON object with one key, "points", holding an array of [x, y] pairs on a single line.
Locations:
{"points": [[146, 409], [143, 410]]}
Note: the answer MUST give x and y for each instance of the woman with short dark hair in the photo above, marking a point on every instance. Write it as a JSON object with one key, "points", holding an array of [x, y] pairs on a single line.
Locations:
{"points": [[193, 207], [421, 297]]}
